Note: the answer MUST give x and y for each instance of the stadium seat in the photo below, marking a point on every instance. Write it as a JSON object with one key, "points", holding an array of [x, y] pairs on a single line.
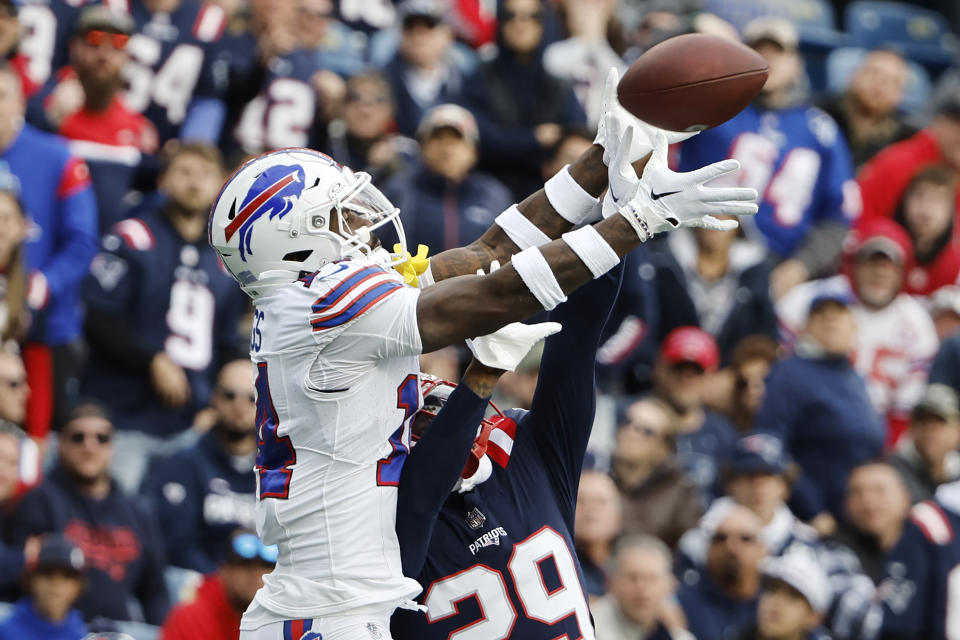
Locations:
{"points": [[842, 62], [922, 34]]}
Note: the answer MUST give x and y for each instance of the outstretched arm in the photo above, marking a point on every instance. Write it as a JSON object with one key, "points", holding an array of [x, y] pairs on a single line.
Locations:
{"points": [[588, 171], [433, 467]]}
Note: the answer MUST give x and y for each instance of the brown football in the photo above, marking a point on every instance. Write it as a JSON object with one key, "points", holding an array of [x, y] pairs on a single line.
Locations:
{"points": [[692, 82]]}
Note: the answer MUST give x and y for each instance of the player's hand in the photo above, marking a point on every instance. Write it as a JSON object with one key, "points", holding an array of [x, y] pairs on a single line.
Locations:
{"points": [[614, 121], [663, 200], [507, 346], [169, 380]]}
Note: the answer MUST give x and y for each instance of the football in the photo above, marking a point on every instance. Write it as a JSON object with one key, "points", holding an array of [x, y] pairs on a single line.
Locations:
{"points": [[692, 82]]}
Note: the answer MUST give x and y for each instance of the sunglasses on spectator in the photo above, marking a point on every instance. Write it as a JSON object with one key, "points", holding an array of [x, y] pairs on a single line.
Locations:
{"points": [[746, 538], [230, 395], [97, 37], [249, 547], [536, 16], [367, 99], [77, 437]]}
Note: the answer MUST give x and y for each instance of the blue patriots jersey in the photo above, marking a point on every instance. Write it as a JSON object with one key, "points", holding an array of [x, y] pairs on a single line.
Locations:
{"points": [[174, 58], [282, 114], [796, 159], [920, 597], [178, 300], [500, 559], [46, 26]]}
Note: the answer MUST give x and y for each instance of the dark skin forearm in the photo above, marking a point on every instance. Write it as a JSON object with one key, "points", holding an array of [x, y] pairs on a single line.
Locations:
{"points": [[589, 172], [480, 378], [470, 306]]}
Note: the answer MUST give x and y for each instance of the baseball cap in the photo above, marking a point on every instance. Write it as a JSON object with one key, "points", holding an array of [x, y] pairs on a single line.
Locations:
{"points": [[100, 17], [844, 298], [57, 552], [451, 116], [759, 453], [801, 569], [690, 344], [772, 28], [939, 400], [882, 245], [432, 10], [880, 236]]}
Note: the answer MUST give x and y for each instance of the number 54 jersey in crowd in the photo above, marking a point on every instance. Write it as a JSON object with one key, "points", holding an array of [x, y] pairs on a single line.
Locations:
{"points": [[337, 383]]}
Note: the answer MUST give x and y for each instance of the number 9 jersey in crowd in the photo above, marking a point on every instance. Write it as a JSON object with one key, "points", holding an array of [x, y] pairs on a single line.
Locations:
{"points": [[337, 383]]}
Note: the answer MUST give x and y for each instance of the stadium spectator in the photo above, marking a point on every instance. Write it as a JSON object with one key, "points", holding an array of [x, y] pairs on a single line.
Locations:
{"points": [[223, 596], [704, 440], [598, 521], [335, 46], [10, 42], [658, 497], [794, 155], [793, 600], [422, 74], [573, 141], [583, 58], [817, 406], [83, 104], [204, 492], [14, 315], [884, 179], [750, 364], [118, 537], [867, 112], [56, 196], [641, 589], [877, 506], [927, 213], [53, 583], [174, 76], [15, 390], [724, 596], [12, 557], [443, 202], [362, 138], [520, 106], [716, 281], [945, 312], [162, 314], [895, 340], [929, 456]]}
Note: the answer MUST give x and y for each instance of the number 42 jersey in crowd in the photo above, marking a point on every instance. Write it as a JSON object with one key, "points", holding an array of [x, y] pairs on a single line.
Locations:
{"points": [[337, 383]]}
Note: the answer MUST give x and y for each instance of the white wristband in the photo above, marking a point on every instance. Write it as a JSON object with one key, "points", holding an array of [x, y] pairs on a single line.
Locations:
{"points": [[533, 269], [592, 249], [520, 230], [569, 199], [425, 279]]}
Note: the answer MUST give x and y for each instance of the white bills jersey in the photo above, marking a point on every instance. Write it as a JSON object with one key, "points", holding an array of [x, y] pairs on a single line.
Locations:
{"points": [[894, 348], [337, 384]]}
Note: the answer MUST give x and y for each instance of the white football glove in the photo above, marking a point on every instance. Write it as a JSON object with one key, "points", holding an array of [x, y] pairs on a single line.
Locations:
{"points": [[507, 346], [610, 138], [664, 200]]}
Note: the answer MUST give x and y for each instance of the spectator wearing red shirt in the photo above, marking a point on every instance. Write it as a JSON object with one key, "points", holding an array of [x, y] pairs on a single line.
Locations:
{"points": [[884, 179], [927, 212], [223, 596], [83, 104]]}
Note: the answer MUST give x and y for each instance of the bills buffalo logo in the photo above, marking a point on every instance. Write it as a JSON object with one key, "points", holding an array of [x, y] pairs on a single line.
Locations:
{"points": [[273, 193]]}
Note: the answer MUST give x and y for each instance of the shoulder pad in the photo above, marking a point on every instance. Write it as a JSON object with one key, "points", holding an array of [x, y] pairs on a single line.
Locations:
{"points": [[134, 233], [933, 522]]}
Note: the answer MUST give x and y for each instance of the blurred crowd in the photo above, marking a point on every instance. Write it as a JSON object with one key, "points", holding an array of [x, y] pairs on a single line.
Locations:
{"points": [[777, 406]]}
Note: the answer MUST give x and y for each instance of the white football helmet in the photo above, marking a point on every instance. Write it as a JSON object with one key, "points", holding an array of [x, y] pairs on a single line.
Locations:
{"points": [[282, 213]]}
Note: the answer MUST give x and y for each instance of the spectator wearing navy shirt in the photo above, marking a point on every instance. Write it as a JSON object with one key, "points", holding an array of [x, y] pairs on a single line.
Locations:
{"points": [[704, 440], [116, 534], [162, 315], [443, 202], [598, 521], [57, 197], [204, 492]]}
